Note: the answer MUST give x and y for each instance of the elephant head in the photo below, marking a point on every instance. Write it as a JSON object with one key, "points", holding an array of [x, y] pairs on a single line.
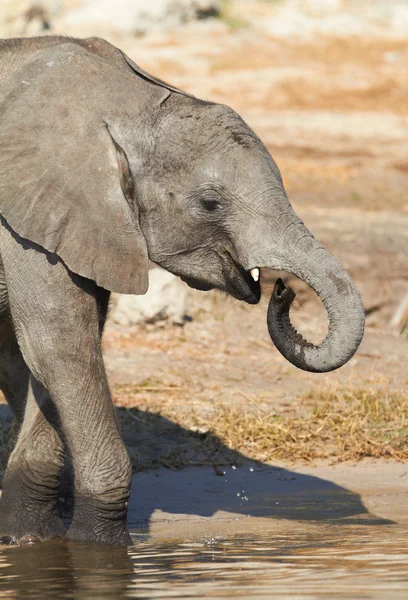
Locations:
{"points": [[111, 167]]}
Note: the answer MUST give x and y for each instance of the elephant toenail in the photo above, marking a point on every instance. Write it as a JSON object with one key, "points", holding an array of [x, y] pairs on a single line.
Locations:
{"points": [[29, 540]]}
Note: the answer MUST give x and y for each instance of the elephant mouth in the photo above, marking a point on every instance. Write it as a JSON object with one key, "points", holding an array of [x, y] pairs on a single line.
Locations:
{"points": [[240, 283], [197, 284], [235, 280]]}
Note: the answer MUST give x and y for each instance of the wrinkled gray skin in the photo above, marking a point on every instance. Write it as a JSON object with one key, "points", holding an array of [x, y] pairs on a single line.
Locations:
{"points": [[101, 168]]}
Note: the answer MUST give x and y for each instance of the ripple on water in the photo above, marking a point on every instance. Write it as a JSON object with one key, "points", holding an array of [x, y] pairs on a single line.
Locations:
{"points": [[328, 562]]}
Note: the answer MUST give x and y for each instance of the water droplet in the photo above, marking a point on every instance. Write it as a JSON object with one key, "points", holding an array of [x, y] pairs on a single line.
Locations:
{"points": [[251, 469], [234, 467], [238, 494], [277, 503]]}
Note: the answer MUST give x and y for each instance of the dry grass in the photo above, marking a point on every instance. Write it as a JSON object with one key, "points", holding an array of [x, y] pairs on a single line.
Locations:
{"points": [[333, 425], [341, 425]]}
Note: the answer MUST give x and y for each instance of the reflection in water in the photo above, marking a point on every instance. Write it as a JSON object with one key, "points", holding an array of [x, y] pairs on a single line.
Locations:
{"points": [[324, 562]]}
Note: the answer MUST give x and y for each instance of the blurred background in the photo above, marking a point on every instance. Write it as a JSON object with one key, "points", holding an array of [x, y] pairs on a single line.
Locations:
{"points": [[324, 83]]}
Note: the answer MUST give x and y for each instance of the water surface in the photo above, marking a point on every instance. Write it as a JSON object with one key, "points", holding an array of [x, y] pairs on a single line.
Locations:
{"points": [[321, 561]]}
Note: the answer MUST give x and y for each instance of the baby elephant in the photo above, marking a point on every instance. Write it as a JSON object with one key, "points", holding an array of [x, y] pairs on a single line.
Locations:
{"points": [[103, 167]]}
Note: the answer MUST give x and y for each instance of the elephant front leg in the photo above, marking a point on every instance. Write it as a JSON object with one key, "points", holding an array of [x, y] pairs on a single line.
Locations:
{"points": [[30, 487], [102, 469], [101, 465]]}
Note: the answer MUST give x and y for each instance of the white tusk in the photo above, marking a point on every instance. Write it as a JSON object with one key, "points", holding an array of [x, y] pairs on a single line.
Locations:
{"points": [[255, 274]]}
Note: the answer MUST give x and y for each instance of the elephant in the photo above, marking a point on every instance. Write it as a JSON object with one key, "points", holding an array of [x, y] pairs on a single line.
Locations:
{"points": [[104, 167]]}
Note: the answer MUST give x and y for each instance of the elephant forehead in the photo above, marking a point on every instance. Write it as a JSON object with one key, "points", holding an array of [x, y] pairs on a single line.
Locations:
{"points": [[236, 168]]}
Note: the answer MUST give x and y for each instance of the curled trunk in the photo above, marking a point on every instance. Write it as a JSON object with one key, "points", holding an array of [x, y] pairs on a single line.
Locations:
{"points": [[345, 312]]}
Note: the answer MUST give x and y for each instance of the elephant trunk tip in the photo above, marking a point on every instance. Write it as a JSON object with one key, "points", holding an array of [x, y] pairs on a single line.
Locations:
{"points": [[282, 294]]}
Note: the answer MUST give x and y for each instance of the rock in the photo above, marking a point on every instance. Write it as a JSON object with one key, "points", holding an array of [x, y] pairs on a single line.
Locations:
{"points": [[139, 16], [166, 298], [399, 321]]}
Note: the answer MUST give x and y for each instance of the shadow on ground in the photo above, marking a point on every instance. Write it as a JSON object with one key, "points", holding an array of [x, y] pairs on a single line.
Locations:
{"points": [[223, 484]]}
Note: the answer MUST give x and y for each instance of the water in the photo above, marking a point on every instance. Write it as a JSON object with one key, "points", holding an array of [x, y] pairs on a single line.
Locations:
{"points": [[317, 561]]}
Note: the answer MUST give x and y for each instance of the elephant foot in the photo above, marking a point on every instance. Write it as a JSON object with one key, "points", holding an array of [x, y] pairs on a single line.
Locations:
{"points": [[18, 531], [117, 538], [100, 523], [28, 509]]}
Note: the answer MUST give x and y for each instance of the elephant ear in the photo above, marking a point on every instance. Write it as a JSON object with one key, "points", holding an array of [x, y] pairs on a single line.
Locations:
{"points": [[145, 75], [65, 184]]}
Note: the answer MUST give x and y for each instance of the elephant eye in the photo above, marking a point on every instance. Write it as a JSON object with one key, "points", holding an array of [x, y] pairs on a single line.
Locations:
{"points": [[210, 204]]}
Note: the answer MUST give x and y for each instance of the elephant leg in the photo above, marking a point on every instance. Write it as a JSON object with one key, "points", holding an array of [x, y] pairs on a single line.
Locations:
{"points": [[57, 317], [66, 491], [30, 486]]}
